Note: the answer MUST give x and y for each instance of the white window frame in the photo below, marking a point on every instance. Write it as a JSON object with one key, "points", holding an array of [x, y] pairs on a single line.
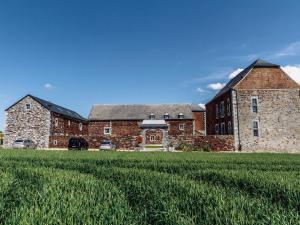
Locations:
{"points": [[69, 122], [222, 109], [80, 126], [255, 129], [228, 107], [152, 116], [229, 127], [252, 106], [166, 116], [55, 142], [181, 127], [180, 116], [152, 138], [56, 122], [217, 129], [223, 129], [107, 133], [26, 108], [217, 111]]}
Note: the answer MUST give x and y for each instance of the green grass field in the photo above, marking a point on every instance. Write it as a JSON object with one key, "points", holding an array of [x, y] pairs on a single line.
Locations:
{"points": [[43, 187]]}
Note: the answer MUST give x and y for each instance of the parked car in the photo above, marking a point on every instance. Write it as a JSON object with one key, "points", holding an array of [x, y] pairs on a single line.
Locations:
{"points": [[78, 144], [24, 144], [107, 145]]}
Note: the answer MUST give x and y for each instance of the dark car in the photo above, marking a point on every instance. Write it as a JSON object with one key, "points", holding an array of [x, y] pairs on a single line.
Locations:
{"points": [[78, 144]]}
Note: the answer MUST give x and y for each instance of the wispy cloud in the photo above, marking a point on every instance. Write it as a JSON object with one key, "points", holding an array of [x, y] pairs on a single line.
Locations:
{"points": [[48, 86], [293, 72], [216, 86], [200, 90], [293, 49]]}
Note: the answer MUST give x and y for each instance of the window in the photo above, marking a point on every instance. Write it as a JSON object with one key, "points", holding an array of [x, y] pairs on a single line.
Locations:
{"points": [[228, 107], [56, 122], [255, 128], [222, 128], [28, 106], [181, 126], [80, 126], [166, 116], [222, 109], [217, 129], [217, 111], [55, 142], [180, 116], [254, 104], [69, 123], [152, 138], [152, 116], [229, 128], [107, 130]]}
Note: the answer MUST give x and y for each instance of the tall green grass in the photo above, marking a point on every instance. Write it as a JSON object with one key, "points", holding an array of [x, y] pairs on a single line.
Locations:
{"points": [[39, 187]]}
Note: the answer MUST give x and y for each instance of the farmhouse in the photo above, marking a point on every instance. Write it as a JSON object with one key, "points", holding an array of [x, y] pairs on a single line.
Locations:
{"points": [[51, 126], [260, 107], [159, 125], [45, 123]]}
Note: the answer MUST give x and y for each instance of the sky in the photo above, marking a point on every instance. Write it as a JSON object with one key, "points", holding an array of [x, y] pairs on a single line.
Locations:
{"points": [[79, 53]]}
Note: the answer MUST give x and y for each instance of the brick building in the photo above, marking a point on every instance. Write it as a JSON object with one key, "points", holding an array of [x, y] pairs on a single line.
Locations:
{"points": [[260, 107], [161, 125], [51, 126], [45, 123]]}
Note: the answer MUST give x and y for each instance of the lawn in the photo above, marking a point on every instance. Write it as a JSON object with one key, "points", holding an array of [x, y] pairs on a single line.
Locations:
{"points": [[45, 187]]}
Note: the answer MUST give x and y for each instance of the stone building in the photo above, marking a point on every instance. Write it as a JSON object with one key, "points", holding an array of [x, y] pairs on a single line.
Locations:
{"points": [[260, 107], [51, 126], [153, 125], [45, 123]]}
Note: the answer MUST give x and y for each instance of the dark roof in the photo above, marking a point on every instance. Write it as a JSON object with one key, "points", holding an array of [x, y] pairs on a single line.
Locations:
{"points": [[259, 63], [197, 108], [54, 108], [139, 112]]}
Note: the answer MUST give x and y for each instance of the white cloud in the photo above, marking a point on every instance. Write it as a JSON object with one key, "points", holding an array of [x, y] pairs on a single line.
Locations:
{"points": [[292, 49], [200, 90], [216, 86], [48, 86], [234, 73], [202, 105], [293, 72]]}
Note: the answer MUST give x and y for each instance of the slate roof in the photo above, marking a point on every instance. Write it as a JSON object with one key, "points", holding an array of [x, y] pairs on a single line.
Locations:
{"points": [[259, 63], [141, 112], [54, 108]]}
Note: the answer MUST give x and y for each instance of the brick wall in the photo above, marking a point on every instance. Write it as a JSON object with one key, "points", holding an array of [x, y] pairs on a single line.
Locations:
{"points": [[199, 122], [63, 128], [216, 143], [212, 120]]}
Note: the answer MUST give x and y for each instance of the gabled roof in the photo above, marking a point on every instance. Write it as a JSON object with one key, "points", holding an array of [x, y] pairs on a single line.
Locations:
{"points": [[259, 63], [140, 112], [54, 108]]}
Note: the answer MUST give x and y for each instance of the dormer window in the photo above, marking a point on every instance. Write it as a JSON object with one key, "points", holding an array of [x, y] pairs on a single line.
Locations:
{"points": [[180, 116], [152, 116], [166, 116], [28, 106]]}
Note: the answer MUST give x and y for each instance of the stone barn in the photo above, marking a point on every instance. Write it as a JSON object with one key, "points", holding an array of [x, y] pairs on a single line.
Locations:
{"points": [[260, 107], [47, 124], [154, 125]]}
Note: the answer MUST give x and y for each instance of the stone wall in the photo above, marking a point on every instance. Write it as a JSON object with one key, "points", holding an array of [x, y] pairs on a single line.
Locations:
{"points": [[33, 124], [279, 120], [216, 143], [199, 122]]}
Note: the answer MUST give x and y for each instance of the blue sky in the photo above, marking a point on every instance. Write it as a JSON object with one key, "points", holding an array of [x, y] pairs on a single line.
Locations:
{"points": [[78, 53]]}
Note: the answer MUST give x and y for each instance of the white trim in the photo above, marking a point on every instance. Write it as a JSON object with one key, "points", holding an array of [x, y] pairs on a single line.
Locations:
{"points": [[152, 138], [252, 98], [80, 126], [181, 127], [30, 106], [55, 142], [56, 122], [107, 133]]}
